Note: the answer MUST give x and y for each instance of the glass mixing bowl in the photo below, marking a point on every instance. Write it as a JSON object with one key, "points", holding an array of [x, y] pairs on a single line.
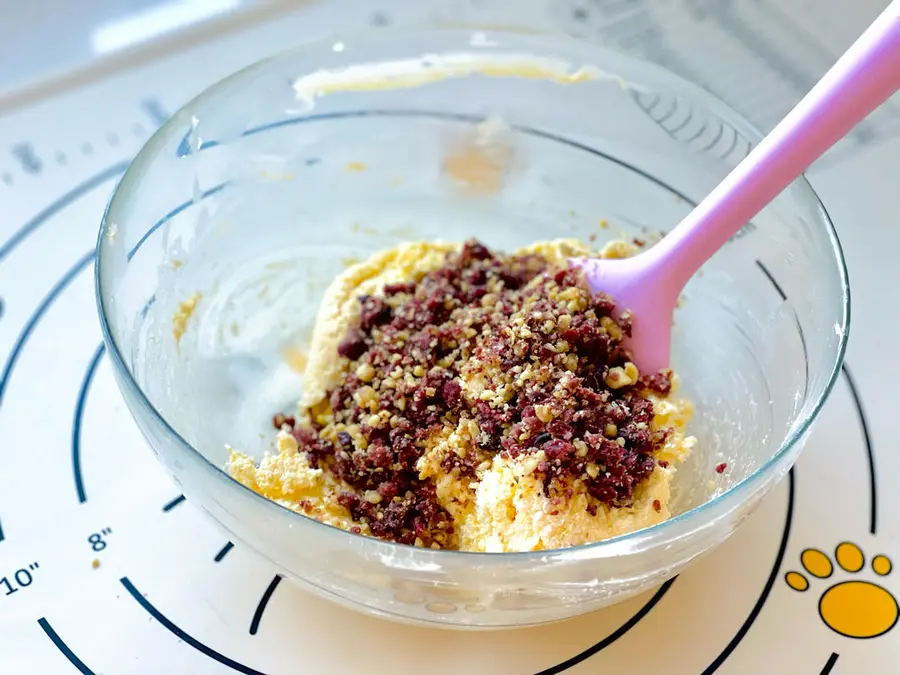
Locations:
{"points": [[258, 192]]}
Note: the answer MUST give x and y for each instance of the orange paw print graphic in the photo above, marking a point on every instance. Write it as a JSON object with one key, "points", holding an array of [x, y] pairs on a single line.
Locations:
{"points": [[854, 608]]}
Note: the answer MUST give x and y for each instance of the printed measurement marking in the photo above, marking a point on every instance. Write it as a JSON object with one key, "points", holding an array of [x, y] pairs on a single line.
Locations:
{"points": [[579, 14], [744, 231], [21, 578], [30, 162], [172, 504], [97, 541], [261, 607], [225, 549], [154, 110], [829, 664]]}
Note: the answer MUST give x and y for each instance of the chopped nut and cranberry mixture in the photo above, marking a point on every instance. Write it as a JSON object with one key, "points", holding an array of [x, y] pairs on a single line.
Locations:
{"points": [[515, 344]]}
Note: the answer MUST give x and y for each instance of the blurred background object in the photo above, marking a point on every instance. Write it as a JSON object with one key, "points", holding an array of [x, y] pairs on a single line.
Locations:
{"points": [[49, 39], [759, 56]]}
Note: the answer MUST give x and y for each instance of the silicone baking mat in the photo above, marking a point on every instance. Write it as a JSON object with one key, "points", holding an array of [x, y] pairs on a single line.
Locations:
{"points": [[106, 569]]}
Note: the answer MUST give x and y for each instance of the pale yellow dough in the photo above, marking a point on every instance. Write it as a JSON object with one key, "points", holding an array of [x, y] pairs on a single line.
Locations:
{"points": [[504, 508]]}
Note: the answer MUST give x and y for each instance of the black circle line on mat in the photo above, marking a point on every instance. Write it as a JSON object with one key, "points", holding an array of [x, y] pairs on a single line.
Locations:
{"points": [[20, 235], [36, 317], [29, 228], [263, 601], [732, 645], [64, 648], [77, 422], [58, 205], [615, 635], [857, 404], [184, 637], [767, 589], [870, 453]]}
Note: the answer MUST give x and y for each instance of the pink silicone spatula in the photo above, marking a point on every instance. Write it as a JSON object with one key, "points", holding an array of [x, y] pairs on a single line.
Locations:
{"points": [[649, 283]]}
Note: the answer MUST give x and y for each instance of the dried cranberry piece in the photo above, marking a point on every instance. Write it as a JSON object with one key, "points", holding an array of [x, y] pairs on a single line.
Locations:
{"points": [[603, 304], [280, 419], [396, 289], [451, 392], [561, 429], [389, 489], [566, 278], [558, 450], [353, 345], [379, 456], [373, 312], [660, 382], [405, 452], [472, 251]]}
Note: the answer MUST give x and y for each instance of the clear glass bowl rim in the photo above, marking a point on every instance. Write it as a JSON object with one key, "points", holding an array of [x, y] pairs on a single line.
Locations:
{"points": [[541, 43]]}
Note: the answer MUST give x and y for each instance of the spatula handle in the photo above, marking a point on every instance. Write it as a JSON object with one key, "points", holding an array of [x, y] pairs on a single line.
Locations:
{"points": [[863, 78]]}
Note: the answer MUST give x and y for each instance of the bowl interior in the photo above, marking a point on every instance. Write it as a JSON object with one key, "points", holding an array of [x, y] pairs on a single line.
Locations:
{"points": [[256, 199]]}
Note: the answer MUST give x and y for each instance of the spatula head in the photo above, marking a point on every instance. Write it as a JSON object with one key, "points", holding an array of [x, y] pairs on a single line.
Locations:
{"points": [[637, 287]]}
